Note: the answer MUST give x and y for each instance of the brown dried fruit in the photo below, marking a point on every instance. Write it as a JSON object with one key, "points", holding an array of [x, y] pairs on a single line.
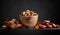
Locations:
{"points": [[18, 25], [23, 27], [49, 26], [57, 26], [53, 25], [4, 26], [7, 20], [42, 26], [37, 26], [13, 26], [13, 20], [47, 21]]}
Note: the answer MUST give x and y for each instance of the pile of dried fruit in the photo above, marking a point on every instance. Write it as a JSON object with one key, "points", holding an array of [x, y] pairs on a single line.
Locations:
{"points": [[28, 13], [28, 19], [46, 24], [11, 24], [15, 24]]}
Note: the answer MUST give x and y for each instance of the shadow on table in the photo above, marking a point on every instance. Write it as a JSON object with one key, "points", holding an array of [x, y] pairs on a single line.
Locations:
{"points": [[29, 31]]}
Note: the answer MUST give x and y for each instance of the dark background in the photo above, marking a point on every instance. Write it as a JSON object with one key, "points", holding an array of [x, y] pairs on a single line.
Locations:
{"points": [[47, 9]]}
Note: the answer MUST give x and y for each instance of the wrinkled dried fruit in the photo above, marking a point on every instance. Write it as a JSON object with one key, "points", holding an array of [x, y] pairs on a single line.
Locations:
{"points": [[4, 26], [45, 21], [18, 25], [42, 26], [37, 26], [54, 25], [57, 26], [13, 26], [50, 26]]}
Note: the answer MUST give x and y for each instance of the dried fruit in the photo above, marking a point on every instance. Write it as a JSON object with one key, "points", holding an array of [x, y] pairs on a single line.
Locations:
{"points": [[4, 26], [27, 12], [24, 13], [54, 25], [37, 26], [50, 26], [57, 26], [18, 25], [13, 26], [42, 26]]}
